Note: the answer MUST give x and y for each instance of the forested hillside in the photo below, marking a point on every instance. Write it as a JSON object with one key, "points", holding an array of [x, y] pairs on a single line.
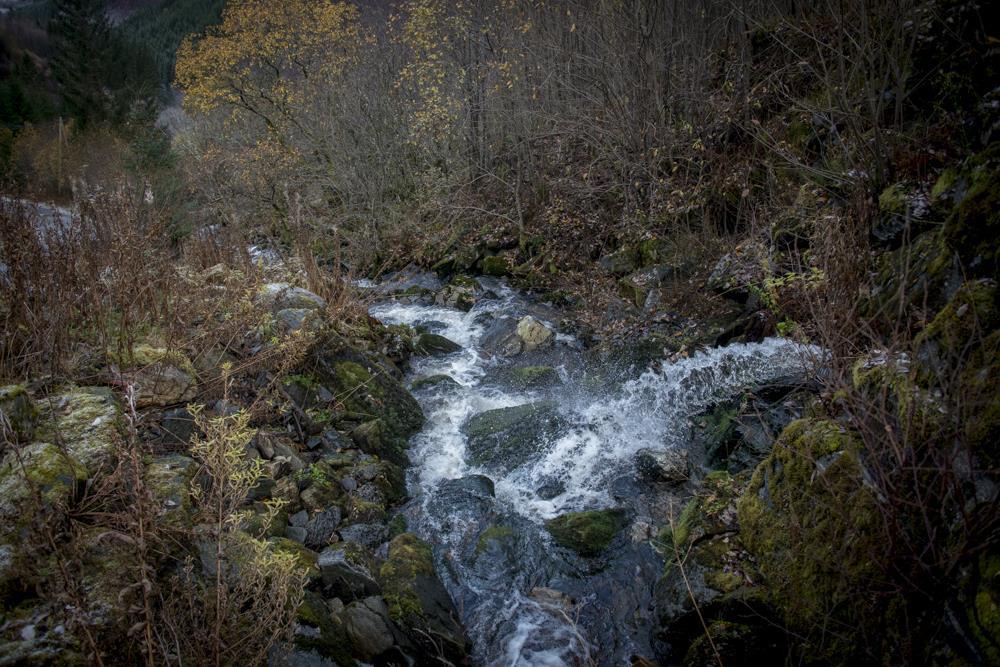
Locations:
{"points": [[499, 333]]}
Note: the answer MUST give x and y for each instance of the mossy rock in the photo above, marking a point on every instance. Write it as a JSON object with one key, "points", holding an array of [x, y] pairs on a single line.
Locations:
{"points": [[362, 386], [418, 601], [979, 388], [168, 479], [161, 377], [983, 612], [434, 382], [969, 315], [493, 534], [717, 572], [331, 641], [526, 378], [918, 274], [813, 525], [306, 559], [508, 437], [974, 224], [430, 344], [496, 265], [588, 533], [40, 468], [87, 422], [18, 412]]}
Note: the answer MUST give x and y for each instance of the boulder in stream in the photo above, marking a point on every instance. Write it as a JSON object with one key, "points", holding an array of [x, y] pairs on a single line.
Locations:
{"points": [[508, 437], [588, 533]]}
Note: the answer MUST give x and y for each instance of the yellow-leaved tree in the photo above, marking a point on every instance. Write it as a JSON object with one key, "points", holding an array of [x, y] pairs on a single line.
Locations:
{"points": [[265, 86]]}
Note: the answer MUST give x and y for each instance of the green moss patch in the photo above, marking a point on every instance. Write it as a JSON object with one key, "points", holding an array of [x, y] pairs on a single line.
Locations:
{"points": [[588, 533]]}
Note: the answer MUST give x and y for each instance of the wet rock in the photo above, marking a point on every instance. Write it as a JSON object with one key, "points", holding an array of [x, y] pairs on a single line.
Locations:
{"points": [[17, 412], [347, 571], [588, 533], [369, 628], [434, 382], [418, 601], [281, 296], [525, 378], [460, 293], [669, 465], [551, 489], [161, 377], [430, 344], [508, 437], [552, 599], [533, 334]]}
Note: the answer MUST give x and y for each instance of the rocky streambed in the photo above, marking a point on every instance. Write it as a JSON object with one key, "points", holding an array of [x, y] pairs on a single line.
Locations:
{"points": [[545, 475]]}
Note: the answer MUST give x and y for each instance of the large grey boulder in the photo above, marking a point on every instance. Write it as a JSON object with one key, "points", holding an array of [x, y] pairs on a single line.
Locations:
{"points": [[508, 437]]}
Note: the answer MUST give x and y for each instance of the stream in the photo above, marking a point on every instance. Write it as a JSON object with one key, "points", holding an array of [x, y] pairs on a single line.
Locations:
{"points": [[523, 599]]}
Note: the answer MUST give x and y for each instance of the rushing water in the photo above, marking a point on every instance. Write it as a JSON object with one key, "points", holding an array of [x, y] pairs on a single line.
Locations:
{"points": [[587, 465]]}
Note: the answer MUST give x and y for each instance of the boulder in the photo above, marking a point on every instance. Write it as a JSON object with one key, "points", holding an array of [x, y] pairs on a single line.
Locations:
{"points": [[589, 532], [637, 287], [347, 570], [418, 601], [168, 478], [737, 272], [280, 296], [86, 422], [508, 437], [17, 413], [670, 465], [619, 263], [369, 628], [321, 528], [161, 377], [363, 386], [525, 378], [812, 492], [533, 334], [39, 471], [434, 382], [460, 293], [430, 344]]}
